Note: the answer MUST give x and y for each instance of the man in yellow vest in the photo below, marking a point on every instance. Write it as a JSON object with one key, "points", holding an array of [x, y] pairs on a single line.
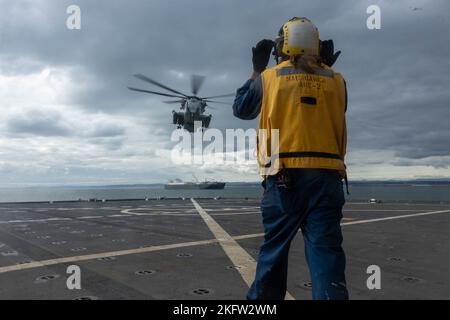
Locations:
{"points": [[305, 100]]}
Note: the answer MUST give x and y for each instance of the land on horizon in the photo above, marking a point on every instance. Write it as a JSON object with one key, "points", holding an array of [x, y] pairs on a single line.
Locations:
{"points": [[419, 181]]}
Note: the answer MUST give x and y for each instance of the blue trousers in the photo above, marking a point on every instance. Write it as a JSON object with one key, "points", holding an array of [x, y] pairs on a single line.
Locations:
{"points": [[312, 202]]}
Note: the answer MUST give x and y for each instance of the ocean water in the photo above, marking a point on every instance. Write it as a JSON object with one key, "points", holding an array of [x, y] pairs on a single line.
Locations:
{"points": [[383, 192]]}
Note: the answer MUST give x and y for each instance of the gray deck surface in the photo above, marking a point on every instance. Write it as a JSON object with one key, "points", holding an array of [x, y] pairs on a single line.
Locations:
{"points": [[169, 240]]}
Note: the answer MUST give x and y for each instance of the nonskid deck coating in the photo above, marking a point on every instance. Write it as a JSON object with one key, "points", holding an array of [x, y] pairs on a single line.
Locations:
{"points": [[164, 249]]}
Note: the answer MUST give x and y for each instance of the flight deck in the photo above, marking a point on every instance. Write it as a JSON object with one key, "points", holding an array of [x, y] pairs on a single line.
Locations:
{"points": [[206, 249]]}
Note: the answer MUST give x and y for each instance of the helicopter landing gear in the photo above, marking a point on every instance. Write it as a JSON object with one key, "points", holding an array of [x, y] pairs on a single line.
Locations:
{"points": [[174, 117], [205, 120], [177, 119]]}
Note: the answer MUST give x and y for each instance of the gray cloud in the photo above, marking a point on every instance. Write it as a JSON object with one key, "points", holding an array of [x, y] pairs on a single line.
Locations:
{"points": [[36, 122], [48, 122], [396, 76], [102, 130]]}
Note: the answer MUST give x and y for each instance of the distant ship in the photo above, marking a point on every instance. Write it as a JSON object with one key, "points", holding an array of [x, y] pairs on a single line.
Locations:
{"points": [[178, 184]]}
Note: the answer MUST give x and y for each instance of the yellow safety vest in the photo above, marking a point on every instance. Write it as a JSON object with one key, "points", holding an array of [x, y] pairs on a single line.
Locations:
{"points": [[309, 111]]}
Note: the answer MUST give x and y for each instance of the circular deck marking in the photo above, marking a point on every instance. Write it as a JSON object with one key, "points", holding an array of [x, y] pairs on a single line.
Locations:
{"points": [[9, 253], [149, 212]]}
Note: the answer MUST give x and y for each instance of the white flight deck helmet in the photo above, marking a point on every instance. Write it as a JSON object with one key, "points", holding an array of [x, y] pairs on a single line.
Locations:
{"points": [[300, 36]]}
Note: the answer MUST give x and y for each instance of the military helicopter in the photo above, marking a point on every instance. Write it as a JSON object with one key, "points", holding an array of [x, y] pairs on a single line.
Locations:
{"points": [[192, 107]]}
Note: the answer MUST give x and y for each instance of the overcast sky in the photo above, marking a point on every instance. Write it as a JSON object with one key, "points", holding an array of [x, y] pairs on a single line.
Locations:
{"points": [[67, 116]]}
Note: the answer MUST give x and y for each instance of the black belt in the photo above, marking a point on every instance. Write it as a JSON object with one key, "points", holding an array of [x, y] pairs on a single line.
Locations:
{"points": [[305, 154], [309, 154]]}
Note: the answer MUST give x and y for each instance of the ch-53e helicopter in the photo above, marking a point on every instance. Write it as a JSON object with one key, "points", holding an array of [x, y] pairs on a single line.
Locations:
{"points": [[192, 107]]}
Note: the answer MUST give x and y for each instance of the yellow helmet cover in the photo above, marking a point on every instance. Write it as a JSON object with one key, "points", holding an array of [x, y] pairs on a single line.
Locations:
{"points": [[301, 36]]}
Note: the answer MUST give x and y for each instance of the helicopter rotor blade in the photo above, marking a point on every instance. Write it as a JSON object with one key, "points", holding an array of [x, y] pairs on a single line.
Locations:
{"points": [[174, 101], [147, 79], [219, 102], [196, 83], [222, 96], [154, 92]]}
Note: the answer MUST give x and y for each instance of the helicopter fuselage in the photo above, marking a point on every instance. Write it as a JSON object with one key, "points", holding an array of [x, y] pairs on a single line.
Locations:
{"points": [[193, 105], [192, 109]]}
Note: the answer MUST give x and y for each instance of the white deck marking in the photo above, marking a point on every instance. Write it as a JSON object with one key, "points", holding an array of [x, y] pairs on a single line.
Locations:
{"points": [[90, 217], [234, 251], [235, 214], [394, 217], [163, 214], [249, 236], [387, 210], [131, 214], [36, 220], [44, 263]]}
